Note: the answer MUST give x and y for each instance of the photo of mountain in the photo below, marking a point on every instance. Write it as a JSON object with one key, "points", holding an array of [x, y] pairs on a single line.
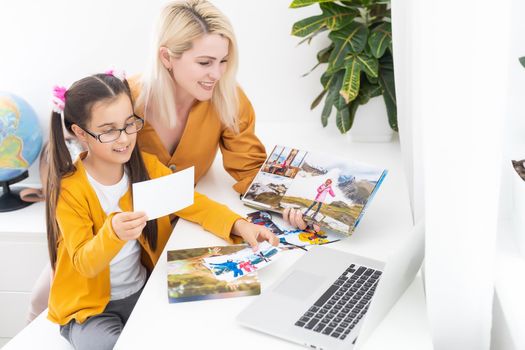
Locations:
{"points": [[267, 190]]}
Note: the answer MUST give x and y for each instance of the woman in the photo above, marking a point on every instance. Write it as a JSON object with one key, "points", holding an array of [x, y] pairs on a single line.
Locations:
{"points": [[190, 99]]}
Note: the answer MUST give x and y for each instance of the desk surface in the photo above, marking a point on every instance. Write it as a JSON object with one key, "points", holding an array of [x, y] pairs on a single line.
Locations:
{"points": [[155, 323]]}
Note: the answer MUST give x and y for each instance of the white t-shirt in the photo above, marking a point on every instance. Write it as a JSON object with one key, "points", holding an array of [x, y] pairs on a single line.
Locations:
{"points": [[126, 271]]}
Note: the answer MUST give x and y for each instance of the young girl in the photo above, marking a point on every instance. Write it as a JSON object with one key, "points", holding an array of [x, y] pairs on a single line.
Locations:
{"points": [[100, 250], [322, 191]]}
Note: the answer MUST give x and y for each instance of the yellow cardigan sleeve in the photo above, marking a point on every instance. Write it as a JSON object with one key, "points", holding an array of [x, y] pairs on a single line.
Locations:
{"points": [[243, 153], [90, 253], [212, 216]]}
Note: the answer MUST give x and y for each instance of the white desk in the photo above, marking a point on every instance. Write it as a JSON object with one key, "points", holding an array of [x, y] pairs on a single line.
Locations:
{"points": [[156, 324]]}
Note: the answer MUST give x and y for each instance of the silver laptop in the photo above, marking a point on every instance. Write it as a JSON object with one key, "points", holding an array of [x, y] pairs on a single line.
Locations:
{"points": [[333, 300]]}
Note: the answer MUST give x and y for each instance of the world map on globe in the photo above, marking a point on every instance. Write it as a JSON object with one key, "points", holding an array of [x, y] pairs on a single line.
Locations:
{"points": [[20, 136]]}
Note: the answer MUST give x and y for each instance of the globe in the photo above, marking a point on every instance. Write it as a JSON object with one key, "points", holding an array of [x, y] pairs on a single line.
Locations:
{"points": [[20, 138]]}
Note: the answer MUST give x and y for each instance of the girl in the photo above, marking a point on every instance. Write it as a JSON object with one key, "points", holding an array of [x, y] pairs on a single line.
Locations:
{"points": [[322, 190], [100, 250], [193, 105]]}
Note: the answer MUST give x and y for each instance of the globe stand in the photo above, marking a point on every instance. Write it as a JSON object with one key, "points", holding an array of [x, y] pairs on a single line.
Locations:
{"points": [[10, 199]]}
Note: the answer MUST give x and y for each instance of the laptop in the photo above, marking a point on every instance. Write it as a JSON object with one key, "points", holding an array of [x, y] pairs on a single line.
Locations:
{"points": [[331, 299]]}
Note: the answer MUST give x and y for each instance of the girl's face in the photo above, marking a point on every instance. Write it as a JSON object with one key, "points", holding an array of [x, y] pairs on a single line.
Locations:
{"points": [[199, 69], [105, 116]]}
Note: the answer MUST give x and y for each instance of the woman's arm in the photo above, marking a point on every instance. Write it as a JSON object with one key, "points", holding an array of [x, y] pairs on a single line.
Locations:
{"points": [[243, 153]]}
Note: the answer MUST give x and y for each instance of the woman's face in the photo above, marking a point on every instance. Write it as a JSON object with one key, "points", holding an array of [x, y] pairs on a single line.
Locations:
{"points": [[199, 69]]}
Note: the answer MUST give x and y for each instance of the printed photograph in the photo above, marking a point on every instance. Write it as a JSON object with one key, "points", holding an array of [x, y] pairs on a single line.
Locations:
{"points": [[190, 280], [284, 161], [263, 218], [236, 265], [267, 190], [296, 238], [330, 192]]}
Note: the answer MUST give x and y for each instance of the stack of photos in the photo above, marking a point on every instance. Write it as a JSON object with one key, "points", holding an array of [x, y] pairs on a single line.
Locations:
{"points": [[329, 191], [292, 237], [190, 279]]}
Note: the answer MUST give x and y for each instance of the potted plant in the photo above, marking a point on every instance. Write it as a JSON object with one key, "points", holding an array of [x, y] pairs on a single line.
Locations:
{"points": [[358, 61]]}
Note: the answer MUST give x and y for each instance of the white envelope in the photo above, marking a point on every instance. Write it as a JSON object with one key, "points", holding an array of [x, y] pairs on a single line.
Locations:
{"points": [[164, 195]]}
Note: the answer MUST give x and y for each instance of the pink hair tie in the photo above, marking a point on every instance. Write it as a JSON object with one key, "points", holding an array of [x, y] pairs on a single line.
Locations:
{"points": [[59, 99], [117, 73]]}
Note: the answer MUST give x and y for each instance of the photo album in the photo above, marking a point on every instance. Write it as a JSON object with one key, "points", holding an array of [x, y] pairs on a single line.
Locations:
{"points": [[329, 191]]}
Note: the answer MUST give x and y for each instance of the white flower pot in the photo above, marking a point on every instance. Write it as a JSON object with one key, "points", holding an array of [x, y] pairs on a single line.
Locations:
{"points": [[518, 195], [371, 123]]}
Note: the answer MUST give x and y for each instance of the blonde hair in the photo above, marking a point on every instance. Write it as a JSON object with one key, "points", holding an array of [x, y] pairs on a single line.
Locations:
{"points": [[179, 24]]}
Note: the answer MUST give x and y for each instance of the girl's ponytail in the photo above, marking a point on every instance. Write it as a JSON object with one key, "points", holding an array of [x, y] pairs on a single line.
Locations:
{"points": [[60, 164]]}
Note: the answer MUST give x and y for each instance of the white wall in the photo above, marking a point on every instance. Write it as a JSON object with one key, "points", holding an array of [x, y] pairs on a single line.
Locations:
{"points": [[59, 41]]}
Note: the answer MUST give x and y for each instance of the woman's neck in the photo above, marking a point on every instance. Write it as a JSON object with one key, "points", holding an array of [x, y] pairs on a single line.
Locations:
{"points": [[183, 102], [106, 173]]}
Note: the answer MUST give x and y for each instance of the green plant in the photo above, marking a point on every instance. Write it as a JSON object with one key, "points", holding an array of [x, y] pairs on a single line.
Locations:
{"points": [[359, 57], [522, 61]]}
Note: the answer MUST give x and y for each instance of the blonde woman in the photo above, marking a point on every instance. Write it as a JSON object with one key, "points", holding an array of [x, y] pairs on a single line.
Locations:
{"points": [[190, 98]]}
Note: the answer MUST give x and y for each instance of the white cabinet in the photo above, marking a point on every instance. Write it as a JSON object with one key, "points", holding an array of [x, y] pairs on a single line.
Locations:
{"points": [[23, 255]]}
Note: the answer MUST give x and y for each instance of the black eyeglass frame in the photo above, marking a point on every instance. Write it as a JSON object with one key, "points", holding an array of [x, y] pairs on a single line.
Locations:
{"points": [[97, 136]]}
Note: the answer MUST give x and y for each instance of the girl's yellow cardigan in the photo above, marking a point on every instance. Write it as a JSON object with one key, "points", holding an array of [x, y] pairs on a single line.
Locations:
{"points": [[81, 285]]}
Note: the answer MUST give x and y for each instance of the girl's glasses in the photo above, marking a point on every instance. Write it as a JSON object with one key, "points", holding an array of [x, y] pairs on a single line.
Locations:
{"points": [[132, 127]]}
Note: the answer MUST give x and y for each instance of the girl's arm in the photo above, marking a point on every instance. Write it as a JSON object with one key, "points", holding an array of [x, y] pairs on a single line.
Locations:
{"points": [[218, 218], [90, 253], [243, 154]]}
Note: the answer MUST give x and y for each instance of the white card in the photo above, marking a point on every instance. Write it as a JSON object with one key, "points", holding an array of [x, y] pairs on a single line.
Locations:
{"points": [[164, 195]]}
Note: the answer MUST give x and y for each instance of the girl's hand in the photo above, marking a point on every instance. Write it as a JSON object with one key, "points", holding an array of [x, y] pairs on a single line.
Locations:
{"points": [[129, 225], [294, 217], [253, 234]]}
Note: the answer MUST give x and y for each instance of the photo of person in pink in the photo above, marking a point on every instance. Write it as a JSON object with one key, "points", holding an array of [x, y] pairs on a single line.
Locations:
{"points": [[247, 266], [322, 190]]}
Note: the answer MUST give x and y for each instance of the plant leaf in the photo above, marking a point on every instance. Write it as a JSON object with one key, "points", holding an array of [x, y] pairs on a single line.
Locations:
{"points": [[324, 54], [335, 87], [351, 80], [326, 80], [369, 65], [309, 38], [327, 109], [308, 25], [302, 3], [368, 90], [350, 39], [345, 117], [522, 61], [318, 99], [380, 39], [387, 82], [338, 16], [343, 120], [333, 17]]}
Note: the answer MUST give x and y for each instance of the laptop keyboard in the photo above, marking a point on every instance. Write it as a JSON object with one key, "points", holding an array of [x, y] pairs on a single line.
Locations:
{"points": [[343, 304]]}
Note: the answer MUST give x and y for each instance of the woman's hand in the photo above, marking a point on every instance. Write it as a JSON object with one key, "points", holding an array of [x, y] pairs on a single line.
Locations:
{"points": [[294, 217], [253, 234], [129, 225]]}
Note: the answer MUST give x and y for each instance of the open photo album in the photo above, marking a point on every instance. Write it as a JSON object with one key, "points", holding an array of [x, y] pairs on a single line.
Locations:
{"points": [[330, 191]]}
